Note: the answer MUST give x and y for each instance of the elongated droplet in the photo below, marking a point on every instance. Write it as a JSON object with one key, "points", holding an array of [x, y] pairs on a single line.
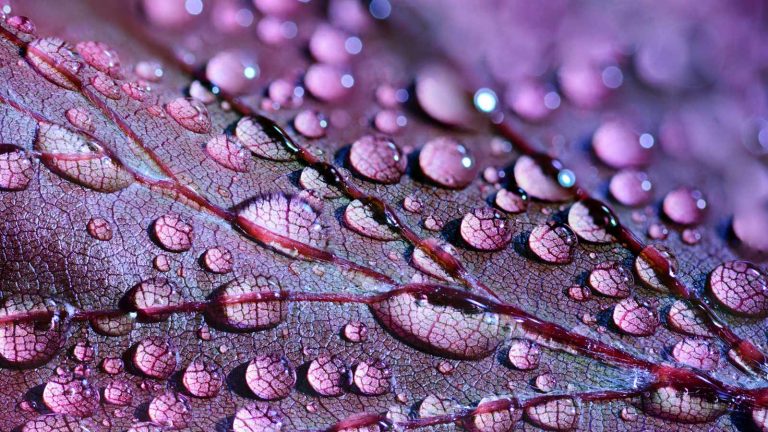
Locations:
{"points": [[740, 287], [261, 142], [27, 344], [100, 56], [229, 153], [361, 218], [55, 60], [555, 414], [16, 169], [681, 405], [190, 113], [238, 305]]}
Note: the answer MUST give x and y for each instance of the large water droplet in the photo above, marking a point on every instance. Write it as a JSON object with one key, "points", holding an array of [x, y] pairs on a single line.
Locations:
{"points": [[25, 343], [152, 294], [311, 179], [681, 405], [372, 378], [231, 71], [286, 216], [553, 242], [106, 86], [651, 275], [684, 206], [118, 393], [422, 261], [202, 379], [54, 59], [170, 409], [154, 357], [100, 56], [377, 158], [16, 169], [611, 279], [697, 353], [582, 219], [618, 146], [325, 82], [362, 219], [66, 394], [328, 375], [684, 319], [524, 354], [502, 419], [749, 227], [631, 188], [740, 287], [270, 376], [435, 406], [218, 260], [530, 176], [441, 95], [190, 113], [21, 24], [634, 318], [229, 153], [486, 229], [444, 330], [310, 123], [447, 162], [237, 305], [327, 45], [255, 138], [257, 417], [115, 325], [555, 414], [172, 233]]}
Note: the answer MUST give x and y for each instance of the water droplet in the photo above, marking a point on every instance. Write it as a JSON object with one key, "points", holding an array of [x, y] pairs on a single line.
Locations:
{"points": [[112, 365], [486, 229], [137, 90], [151, 294], [66, 394], [611, 279], [545, 382], [434, 223], [99, 229], [106, 86], [325, 82], [553, 242], [684, 206], [327, 45], [434, 406], [631, 188], [422, 261], [634, 318], [83, 352], [740, 287], [355, 331], [444, 330], [58, 423], [270, 376], [389, 121], [81, 119], [16, 169], [252, 135], [237, 305], [100, 56], [749, 227], [172, 233], [118, 393], [691, 236], [372, 378], [681, 405], [257, 416], [286, 216], [512, 201], [310, 124], [201, 93], [617, 145], [28, 344], [119, 325], [554, 414], [170, 409], [441, 95], [629, 414], [190, 113], [524, 354], [590, 223], [696, 353], [155, 358], [21, 24], [218, 260], [658, 231], [530, 176], [202, 379], [447, 162], [760, 419], [649, 274], [497, 420], [579, 293], [229, 153], [328, 375], [231, 71], [378, 159], [412, 204], [684, 319], [161, 263], [71, 156], [311, 179], [149, 70], [361, 218], [54, 59]]}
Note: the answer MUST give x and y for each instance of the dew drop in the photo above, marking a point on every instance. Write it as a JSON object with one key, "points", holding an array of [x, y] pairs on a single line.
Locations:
{"points": [[255, 138], [649, 274], [760, 419], [100, 56], [634, 318], [201, 93], [286, 216], [172, 233], [579, 293], [231, 71], [112, 365], [355, 331], [328, 375], [257, 417], [512, 201], [545, 382], [202, 379], [218, 260], [631, 188], [190, 113], [238, 305], [658, 231], [433, 223], [310, 124], [740, 287], [137, 90], [83, 352], [524, 354], [155, 358], [691, 236], [106, 86], [170, 409], [617, 145], [448, 163], [66, 394], [16, 169], [118, 393], [229, 153], [554, 414], [119, 325], [270, 376], [378, 159], [25, 344], [99, 229], [486, 229], [21, 24], [434, 406], [81, 119], [441, 95], [590, 223], [150, 295], [681, 405], [325, 82], [327, 45], [372, 378], [684, 319], [422, 261], [749, 228], [311, 179], [389, 121], [684, 206], [530, 176], [54, 59], [145, 427], [629, 414], [553, 242], [697, 353], [611, 279], [149, 70], [412, 204], [362, 219], [496, 420]]}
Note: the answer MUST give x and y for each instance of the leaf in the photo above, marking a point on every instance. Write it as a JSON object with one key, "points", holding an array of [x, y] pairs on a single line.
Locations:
{"points": [[290, 237]]}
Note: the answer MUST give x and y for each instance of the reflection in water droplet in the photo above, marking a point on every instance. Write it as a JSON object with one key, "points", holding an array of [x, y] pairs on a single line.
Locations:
{"points": [[21, 24], [512, 201], [172, 233], [66, 394], [631, 188], [681, 405], [118, 393], [253, 136], [524, 354], [154, 357], [634, 318], [372, 378], [80, 118], [556, 414], [106, 86], [229, 153], [202, 379], [100, 229], [361, 218], [218, 260], [29, 344], [231, 309], [611, 279], [170, 409], [697, 353], [684, 206], [530, 176]]}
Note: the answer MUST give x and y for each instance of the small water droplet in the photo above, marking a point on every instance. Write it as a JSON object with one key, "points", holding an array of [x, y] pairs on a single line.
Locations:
{"points": [[617, 145], [629, 414], [611, 279], [553, 242], [412, 204], [287, 216], [119, 325], [55, 60], [691, 236], [591, 221], [229, 153], [442, 96], [310, 124], [155, 358], [270, 376], [81, 119], [21, 24], [524, 354], [486, 229], [255, 138], [83, 352], [112, 365], [231, 71], [99, 229], [634, 318], [66, 394], [170, 409], [106, 86], [684, 319], [190, 113], [355, 331], [100, 56], [361, 218], [435, 406], [512, 201], [16, 169], [328, 375], [631, 188], [684, 206], [579, 293], [172, 233], [545, 382], [377, 158], [740, 287], [118, 393], [257, 416], [202, 379], [448, 163], [326, 82], [657, 231], [531, 176], [554, 414]]}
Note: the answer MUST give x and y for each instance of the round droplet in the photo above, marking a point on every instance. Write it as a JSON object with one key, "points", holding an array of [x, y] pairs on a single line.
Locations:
{"points": [[100, 56], [389, 121], [749, 227], [412, 204], [486, 229], [66, 394], [149, 70], [106, 86], [682, 405], [629, 414], [684, 319], [231, 71], [155, 358], [501, 419], [257, 417], [434, 223], [311, 179], [531, 100], [554, 414], [270, 376], [21, 24], [25, 344], [684, 206], [545, 382], [325, 82], [452, 330], [238, 305], [310, 124], [435, 406], [377, 158], [170, 409], [447, 162], [653, 276], [611, 279], [99, 229], [355, 331], [658, 231], [80, 118], [286, 216], [441, 95], [589, 220], [150, 297], [114, 325], [172, 233], [634, 318], [617, 145], [218, 260], [229, 153], [202, 379], [118, 393], [112, 365], [58, 423], [740, 287], [579, 293], [697, 353], [55, 60], [553, 243], [15, 169], [512, 201], [328, 375], [168, 14], [691, 236], [83, 352], [631, 188], [327, 45], [524, 354], [532, 178], [361, 218], [263, 143], [372, 378], [190, 113], [137, 90]]}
